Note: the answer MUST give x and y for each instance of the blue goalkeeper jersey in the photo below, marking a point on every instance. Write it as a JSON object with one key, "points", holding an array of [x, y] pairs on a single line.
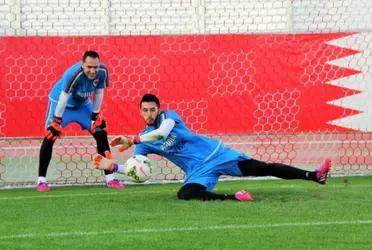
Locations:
{"points": [[193, 153], [75, 82]]}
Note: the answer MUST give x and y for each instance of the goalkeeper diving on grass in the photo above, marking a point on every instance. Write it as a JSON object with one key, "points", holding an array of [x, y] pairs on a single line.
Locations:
{"points": [[203, 159]]}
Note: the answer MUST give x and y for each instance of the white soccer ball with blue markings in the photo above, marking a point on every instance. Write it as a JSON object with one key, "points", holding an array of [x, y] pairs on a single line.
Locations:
{"points": [[138, 168]]}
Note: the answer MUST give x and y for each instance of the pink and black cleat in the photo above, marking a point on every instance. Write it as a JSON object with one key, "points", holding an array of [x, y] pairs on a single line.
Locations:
{"points": [[322, 173], [42, 187], [116, 184], [243, 196]]}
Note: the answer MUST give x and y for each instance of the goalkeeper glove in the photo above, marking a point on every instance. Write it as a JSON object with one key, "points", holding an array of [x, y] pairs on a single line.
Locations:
{"points": [[124, 142], [97, 122], [103, 162], [54, 130]]}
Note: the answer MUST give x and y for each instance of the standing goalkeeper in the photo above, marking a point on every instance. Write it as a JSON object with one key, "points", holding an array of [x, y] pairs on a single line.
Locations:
{"points": [[203, 159], [69, 101]]}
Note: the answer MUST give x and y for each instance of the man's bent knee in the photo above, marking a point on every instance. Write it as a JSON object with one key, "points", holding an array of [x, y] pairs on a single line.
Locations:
{"points": [[190, 191]]}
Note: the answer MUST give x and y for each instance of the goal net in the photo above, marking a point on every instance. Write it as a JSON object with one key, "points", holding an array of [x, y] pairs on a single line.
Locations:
{"points": [[281, 80]]}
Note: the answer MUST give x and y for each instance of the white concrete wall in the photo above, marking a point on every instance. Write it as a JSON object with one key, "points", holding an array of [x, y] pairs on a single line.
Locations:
{"points": [[247, 16], [331, 15], [119, 17]]}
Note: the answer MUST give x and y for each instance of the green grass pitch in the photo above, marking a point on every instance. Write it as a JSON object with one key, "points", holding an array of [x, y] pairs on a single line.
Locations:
{"points": [[284, 215]]}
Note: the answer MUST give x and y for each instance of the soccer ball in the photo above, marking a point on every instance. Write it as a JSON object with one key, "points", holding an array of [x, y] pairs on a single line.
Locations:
{"points": [[138, 168]]}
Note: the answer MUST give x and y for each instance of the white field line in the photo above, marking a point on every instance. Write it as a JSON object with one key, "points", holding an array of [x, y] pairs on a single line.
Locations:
{"points": [[134, 192], [252, 143], [47, 196], [183, 229]]}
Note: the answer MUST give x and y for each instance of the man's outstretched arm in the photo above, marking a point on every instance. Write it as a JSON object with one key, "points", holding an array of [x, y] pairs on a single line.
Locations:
{"points": [[124, 142]]}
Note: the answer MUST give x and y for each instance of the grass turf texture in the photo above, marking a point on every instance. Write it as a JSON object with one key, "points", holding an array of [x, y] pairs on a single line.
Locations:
{"points": [[284, 215]]}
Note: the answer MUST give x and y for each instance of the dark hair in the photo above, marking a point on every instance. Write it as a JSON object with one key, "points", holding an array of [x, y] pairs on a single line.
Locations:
{"points": [[150, 98], [90, 53]]}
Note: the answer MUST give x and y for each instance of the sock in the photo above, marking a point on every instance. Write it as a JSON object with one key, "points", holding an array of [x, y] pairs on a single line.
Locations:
{"points": [[109, 177], [311, 175], [254, 167], [102, 144], [45, 156], [119, 168], [41, 179], [195, 191]]}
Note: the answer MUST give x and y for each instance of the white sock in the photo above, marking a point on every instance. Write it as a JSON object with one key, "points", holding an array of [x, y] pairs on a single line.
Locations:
{"points": [[41, 179], [121, 168], [109, 177]]}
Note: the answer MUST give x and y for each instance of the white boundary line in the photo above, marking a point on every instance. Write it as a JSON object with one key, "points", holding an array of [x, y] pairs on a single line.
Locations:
{"points": [[46, 196], [135, 192], [181, 229]]}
